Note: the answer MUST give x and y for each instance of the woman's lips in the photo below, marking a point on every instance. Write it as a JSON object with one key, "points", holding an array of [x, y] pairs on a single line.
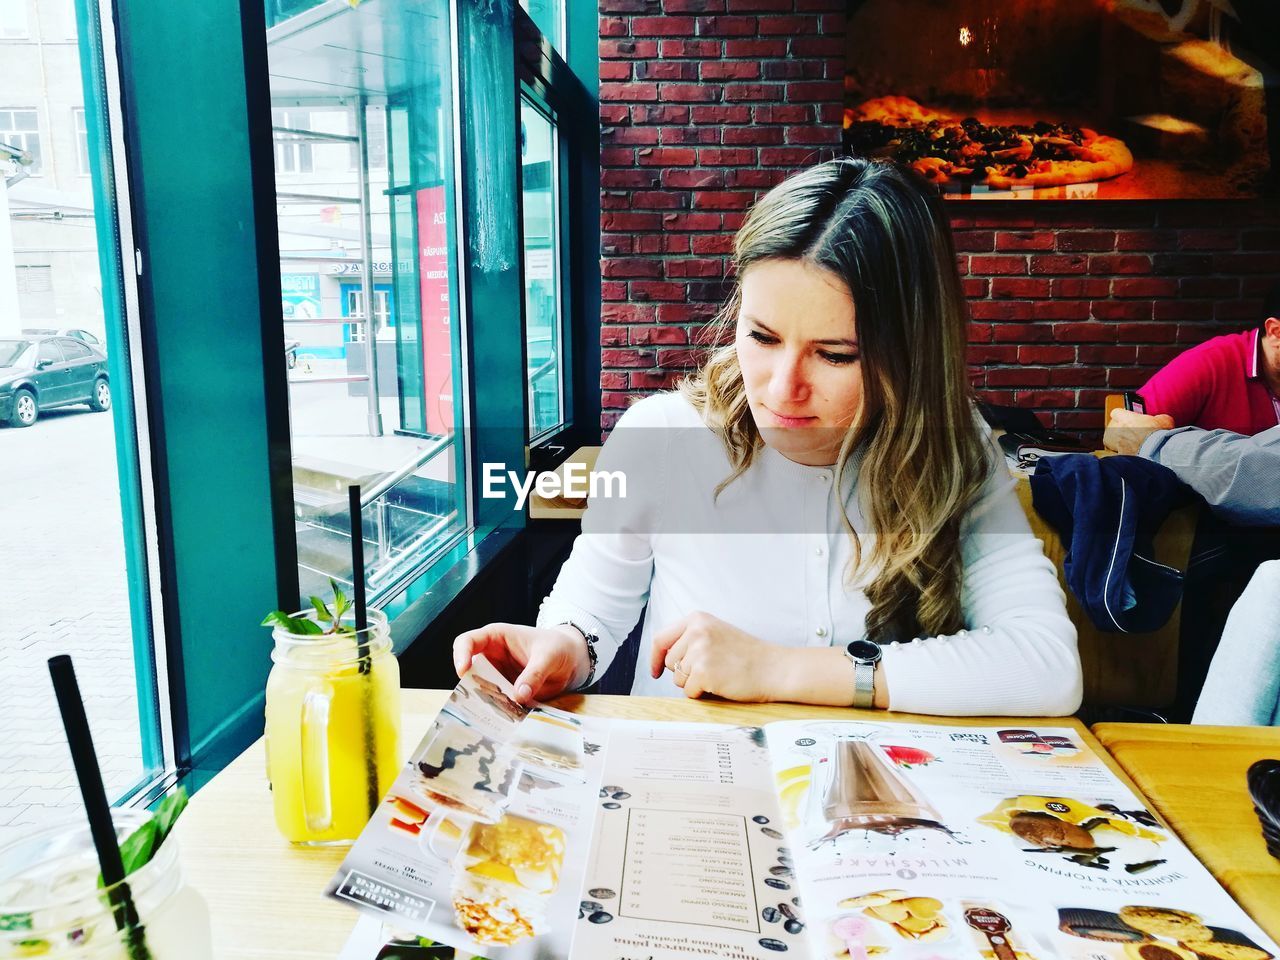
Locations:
{"points": [[783, 420]]}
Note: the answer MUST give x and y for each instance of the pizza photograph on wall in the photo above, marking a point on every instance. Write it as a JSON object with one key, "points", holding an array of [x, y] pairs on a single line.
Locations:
{"points": [[1069, 99]]}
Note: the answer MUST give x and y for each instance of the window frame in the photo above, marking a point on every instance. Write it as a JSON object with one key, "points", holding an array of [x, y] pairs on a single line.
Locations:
{"points": [[560, 214], [293, 149], [114, 226], [37, 168], [569, 93], [80, 123], [215, 101], [236, 452]]}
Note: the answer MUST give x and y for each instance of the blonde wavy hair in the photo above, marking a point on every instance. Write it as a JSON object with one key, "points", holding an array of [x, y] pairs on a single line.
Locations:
{"points": [[921, 458]]}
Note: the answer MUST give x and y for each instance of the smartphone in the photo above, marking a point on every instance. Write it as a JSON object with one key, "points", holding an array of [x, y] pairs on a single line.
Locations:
{"points": [[1134, 402]]}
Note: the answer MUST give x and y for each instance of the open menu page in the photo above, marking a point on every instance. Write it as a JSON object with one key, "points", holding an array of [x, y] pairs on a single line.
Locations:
{"points": [[918, 842], [518, 834]]}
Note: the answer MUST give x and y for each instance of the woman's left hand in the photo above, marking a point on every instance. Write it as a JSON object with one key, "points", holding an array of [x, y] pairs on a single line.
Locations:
{"points": [[707, 655]]}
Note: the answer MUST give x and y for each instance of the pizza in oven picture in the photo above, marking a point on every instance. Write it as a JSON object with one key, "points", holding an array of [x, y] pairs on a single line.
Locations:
{"points": [[954, 152]]}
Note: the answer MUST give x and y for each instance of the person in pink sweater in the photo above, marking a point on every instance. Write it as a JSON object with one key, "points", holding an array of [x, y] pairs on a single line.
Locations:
{"points": [[1230, 382]]}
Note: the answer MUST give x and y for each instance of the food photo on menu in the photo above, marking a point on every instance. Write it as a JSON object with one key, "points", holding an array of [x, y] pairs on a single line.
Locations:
{"points": [[532, 833]]}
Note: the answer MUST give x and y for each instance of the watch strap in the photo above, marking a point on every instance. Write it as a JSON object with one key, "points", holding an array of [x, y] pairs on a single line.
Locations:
{"points": [[864, 684]]}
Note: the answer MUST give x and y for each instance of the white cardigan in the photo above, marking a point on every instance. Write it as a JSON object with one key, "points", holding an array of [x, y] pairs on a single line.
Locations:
{"points": [[770, 556]]}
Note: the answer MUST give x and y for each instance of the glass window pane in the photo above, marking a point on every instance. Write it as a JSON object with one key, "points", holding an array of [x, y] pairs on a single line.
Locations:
{"points": [[20, 128], [82, 143], [543, 325], [81, 587], [549, 16], [72, 350], [366, 276]]}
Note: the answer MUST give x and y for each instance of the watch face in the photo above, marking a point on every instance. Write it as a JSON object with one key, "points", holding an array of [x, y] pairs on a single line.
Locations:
{"points": [[865, 651]]}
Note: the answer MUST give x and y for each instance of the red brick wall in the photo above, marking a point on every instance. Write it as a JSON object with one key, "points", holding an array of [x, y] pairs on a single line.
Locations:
{"points": [[1070, 303], [705, 104]]}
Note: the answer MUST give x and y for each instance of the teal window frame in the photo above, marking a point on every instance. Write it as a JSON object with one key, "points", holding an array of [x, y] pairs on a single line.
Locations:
{"points": [[563, 311], [568, 91], [200, 161], [155, 743]]}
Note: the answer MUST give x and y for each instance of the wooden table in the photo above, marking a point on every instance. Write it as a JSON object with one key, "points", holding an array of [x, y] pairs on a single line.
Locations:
{"points": [[265, 895], [1195, 777], [564, 508]]}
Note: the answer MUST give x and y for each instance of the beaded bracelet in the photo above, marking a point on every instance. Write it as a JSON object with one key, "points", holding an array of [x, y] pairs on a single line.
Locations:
{"points": [[593, 658]]}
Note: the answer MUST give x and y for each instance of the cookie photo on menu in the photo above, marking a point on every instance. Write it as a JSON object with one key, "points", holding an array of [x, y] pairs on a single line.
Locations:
{"points": [[911, 917], [1166, 922], [1226, 945]]}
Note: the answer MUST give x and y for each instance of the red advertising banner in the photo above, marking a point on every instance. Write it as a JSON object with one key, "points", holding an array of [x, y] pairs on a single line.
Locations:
{"points": [[437, 344]]}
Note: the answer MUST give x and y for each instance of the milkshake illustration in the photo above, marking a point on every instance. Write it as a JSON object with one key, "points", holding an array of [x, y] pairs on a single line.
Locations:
{"points": [[859, 789]]}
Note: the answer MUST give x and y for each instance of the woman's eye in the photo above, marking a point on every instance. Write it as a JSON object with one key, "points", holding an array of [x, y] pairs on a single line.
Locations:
{"points": [[838, 358], [760, 337]]}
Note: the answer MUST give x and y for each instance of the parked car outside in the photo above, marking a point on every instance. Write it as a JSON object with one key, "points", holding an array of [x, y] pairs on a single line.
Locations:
{"points": [[83, 335], [41, 372]]}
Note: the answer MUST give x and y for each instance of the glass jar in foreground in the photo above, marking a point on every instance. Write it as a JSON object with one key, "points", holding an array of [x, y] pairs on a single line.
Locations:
{"points": [[332, 731], [51, 906]]}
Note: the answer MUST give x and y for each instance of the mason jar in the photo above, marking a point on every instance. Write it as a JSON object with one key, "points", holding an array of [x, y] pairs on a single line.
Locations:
{"points": [[52, 907], [332, 730]]}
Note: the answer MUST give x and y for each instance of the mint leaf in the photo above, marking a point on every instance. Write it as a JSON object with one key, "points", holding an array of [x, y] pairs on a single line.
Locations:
{"points": [[10, 922], [322, 611], [140, 846], [340, 603], [168, 811], [299, 625]]}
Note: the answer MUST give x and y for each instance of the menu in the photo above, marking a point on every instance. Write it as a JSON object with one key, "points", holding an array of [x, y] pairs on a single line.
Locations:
{"points": [[518, 834]]}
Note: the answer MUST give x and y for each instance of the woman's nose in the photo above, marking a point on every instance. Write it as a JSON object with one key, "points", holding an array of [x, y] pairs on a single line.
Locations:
{"points": [[787, 381]]}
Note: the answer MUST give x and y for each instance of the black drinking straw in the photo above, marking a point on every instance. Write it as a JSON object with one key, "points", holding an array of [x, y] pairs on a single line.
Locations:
{"points": [[365, 662], [357, 565], [89, 775]]}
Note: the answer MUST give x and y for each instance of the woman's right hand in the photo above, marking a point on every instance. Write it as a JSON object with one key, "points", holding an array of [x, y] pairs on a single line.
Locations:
{"points": [[541, 662]]}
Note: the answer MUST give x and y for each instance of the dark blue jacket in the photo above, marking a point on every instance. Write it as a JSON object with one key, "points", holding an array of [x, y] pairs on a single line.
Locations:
{"points": [[1107, 510]]}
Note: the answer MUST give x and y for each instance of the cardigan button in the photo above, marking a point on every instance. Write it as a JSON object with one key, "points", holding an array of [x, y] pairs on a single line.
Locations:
{"points": [[824, 477]]}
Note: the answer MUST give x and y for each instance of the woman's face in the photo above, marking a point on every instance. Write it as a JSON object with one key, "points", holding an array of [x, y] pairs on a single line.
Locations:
{"points": [[798, 350]]}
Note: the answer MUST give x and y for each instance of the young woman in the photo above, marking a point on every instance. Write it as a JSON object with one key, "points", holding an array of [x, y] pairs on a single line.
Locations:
{"points": [[818, 516]]}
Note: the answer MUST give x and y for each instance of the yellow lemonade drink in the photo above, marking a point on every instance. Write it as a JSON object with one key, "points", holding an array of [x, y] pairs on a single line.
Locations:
{"points": [[332, 731]]}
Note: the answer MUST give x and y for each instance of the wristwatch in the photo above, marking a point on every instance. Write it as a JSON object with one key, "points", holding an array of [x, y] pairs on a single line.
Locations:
{"points": [[864, 654]]}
